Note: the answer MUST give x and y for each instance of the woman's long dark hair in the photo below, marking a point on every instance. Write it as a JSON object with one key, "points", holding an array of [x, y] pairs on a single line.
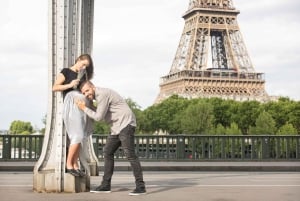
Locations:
{"points": [[89, 68]]}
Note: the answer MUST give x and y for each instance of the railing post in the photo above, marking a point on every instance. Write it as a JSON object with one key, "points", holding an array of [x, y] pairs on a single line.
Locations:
{"points": [[95, 140], [287, 147], [277, 148], [194, 156], [30, 148], [203, 144], [7, 147], [297, 148], [180, 147], [265, 147], [243, 150]]}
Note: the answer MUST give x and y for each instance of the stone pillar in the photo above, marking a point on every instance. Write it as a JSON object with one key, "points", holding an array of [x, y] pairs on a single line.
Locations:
{"points": [[70, 34]]}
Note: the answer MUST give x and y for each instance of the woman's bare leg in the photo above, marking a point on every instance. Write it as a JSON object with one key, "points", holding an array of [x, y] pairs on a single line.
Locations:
{"points": [[75, 158], [73, 149]]}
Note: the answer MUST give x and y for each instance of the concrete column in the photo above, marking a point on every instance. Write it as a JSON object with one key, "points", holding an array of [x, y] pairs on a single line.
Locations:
{"points": [[70, 34]]}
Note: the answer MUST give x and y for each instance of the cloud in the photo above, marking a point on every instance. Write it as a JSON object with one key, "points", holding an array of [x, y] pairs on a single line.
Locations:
{"points": [[270, 29]]}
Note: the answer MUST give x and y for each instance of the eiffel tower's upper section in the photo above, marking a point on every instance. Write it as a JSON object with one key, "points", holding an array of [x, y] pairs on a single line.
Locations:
{"points": [[218, 4], [212, 59], [211, 39]]}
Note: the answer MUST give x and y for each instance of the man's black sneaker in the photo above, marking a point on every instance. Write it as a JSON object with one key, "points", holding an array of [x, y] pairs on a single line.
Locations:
{"points": [[101, 189], [138, 191]]}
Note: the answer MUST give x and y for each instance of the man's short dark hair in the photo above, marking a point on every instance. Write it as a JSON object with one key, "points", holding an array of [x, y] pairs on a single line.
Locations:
{"points": [[86, 82]]}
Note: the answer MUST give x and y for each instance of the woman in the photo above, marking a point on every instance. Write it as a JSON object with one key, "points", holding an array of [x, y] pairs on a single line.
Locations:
{"points": [[77, 124]]}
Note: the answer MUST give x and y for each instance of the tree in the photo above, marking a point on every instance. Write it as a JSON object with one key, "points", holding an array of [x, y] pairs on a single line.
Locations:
{"points": [[101, 127], [219, 130], [222, 111], [280, 110], [264, 125], [136, 109], [198, 118], [44, 121], [294, 116], [287, 129], [162, 116], [245, 114], [133, 105], [233, 129], [20, 127]]}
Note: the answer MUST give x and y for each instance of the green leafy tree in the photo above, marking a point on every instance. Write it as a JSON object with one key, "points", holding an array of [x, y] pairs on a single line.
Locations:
{"points": [[198, 118], [294, 116], [222, 111], [175, 114], [287, 129], [20, 127], [161, 116], [140, 119], [101, 128], [218, 130], [233, 129], [44, 121], [264, 125], [280, 110], [245, 114]]}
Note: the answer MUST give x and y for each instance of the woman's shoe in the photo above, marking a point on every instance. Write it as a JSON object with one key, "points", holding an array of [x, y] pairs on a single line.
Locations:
{"points": [[73, 172], [80, 172]]}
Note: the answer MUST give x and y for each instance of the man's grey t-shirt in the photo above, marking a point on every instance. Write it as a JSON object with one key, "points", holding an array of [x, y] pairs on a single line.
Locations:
{"points": [[113, 109]]}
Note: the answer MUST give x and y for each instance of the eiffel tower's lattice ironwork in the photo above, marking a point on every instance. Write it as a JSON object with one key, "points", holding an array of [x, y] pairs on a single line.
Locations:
{"points": [[212, 59]]}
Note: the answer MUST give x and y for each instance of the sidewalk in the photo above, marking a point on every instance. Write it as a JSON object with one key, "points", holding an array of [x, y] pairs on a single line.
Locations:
{"points": [[168, 185], [288, 166]]}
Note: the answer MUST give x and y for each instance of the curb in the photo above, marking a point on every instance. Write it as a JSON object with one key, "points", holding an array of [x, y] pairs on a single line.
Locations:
{"points": [[174, 167]]}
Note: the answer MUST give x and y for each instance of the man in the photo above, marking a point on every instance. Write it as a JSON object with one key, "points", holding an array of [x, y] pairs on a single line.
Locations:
{"points": [[112, 108]]}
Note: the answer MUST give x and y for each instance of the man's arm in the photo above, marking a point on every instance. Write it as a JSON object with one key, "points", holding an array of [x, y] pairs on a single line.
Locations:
{"points": [[99, 114]]}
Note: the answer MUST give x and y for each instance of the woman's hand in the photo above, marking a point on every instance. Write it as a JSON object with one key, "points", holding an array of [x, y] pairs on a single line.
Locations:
{"points": [[74, 83]]}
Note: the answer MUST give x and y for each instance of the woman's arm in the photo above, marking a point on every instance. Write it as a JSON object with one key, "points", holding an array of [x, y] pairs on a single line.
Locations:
{"points": [[59, 86]]}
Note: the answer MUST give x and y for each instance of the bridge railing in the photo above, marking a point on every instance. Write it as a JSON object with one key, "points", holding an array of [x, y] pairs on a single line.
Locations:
{"points": [[20, 147], [173, 147]]}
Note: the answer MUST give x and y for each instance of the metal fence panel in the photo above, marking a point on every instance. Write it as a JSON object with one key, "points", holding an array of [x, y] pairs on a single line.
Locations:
{"points": [[173, 147]]}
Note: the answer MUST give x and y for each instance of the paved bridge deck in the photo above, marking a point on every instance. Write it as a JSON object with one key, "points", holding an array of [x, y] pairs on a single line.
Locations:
{"points": [[168, 185]]}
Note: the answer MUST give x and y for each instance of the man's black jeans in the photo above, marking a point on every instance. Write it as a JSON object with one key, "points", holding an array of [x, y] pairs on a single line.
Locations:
{"points": [[126, 140]]}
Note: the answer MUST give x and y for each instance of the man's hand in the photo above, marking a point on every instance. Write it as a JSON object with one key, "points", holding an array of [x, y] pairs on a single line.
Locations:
{"points": [[80, 104]]}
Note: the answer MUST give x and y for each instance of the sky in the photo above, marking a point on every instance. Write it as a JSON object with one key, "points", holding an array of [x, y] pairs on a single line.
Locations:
{"points": [[134, 45]]}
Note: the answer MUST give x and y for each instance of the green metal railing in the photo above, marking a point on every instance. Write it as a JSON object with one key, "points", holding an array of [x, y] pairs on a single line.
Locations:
{"points": [[16, 147], [173, 147], [203, 147]]}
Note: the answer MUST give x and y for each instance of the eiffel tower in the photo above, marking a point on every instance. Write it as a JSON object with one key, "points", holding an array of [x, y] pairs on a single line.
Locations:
{"points": [[212, 59]]}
